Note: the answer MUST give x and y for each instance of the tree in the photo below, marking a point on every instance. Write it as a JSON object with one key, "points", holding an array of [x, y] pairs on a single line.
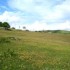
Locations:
{"points": [[0, 24], [24, 27], [13, 27], [6, 25]]}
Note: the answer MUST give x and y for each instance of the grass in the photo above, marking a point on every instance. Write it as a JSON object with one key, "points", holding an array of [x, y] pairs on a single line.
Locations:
{"points": [[23, 50]]}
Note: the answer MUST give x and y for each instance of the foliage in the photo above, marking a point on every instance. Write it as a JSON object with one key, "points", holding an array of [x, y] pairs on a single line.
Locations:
{"points": [[0, 24], [6, 25], [13, 27]]}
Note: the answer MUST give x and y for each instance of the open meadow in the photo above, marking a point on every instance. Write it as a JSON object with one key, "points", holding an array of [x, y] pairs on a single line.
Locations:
{"points": [[24, 50]]}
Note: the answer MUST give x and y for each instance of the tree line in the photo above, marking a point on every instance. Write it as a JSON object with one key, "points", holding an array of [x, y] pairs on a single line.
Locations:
{"points": [[5, 25]]}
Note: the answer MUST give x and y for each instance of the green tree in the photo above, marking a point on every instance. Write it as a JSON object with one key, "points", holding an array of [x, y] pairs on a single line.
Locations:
{"points": [[0, 24], [6, 25], [24, 27]]}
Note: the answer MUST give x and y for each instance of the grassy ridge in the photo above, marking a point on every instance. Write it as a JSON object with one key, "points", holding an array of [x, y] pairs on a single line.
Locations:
{"points": [[22, 50]]}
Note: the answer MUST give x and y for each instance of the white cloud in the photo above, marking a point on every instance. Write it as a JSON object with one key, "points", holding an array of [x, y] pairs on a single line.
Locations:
{"points": [[40, 25], [8, 16], [37, 25], [14, 19], [55, 13], [60, 26], [48, 10]]}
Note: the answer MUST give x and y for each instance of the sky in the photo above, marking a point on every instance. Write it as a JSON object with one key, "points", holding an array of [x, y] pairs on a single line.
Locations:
{"points": [[36, 14]]}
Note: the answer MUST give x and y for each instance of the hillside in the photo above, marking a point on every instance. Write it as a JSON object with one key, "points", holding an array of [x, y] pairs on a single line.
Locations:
{"points": [[56, 31], [24, 50]]}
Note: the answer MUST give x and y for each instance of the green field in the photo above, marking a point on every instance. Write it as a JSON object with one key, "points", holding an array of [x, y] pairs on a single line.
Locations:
{"points": [[23, 50]]}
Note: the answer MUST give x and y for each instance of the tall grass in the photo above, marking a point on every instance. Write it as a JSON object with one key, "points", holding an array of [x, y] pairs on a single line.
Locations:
{"points": [[22, 50]]}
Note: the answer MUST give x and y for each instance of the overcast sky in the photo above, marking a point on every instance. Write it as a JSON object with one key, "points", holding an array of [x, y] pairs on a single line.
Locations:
{"points": [[36, 14]]}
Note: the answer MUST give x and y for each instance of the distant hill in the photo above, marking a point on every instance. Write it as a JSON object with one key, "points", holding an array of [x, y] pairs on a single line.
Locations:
{"points": [[58, 31], [55, 31], [48, 31]]}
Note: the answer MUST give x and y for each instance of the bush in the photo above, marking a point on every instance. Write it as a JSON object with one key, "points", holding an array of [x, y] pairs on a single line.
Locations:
{"points": [[5, 25]]}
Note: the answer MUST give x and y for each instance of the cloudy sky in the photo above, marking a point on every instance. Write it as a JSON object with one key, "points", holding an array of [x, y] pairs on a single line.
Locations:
{"points": [[36, 14]]}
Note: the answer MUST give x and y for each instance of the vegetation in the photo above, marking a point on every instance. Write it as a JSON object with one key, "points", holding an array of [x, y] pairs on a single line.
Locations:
{"points": [[13, 27], [5, 25], [55, 31], [24, 50], [58, 31], [0, 24]]}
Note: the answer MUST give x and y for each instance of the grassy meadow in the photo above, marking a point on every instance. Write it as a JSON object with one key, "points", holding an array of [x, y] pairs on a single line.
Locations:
{"points": [[24, 50]]}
